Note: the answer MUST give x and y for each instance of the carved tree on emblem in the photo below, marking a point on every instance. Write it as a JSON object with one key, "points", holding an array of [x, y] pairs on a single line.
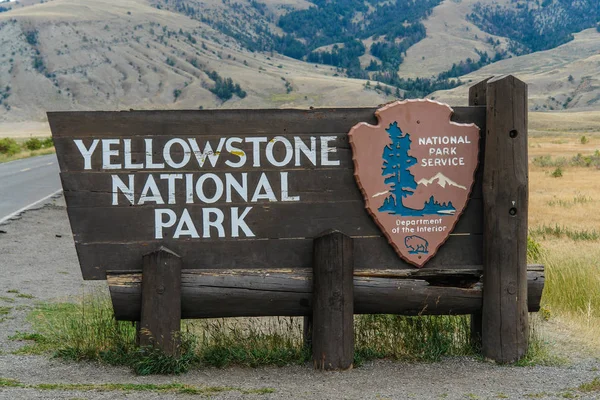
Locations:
{"points": [[396, 164]]}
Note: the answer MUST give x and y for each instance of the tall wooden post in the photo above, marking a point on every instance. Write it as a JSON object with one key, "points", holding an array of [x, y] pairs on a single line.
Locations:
{"points": [[478, 97], [505, 325], [333, 302], [161, 301]]}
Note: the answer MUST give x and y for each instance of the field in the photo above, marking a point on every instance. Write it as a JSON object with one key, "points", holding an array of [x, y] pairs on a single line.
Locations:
{"points": [[564, 197]]}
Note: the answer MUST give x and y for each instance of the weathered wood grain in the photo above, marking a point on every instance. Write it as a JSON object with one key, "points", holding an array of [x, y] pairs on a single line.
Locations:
{"points": [[333, 302], [211, 122], [116, 236], [461, 251], [478, 97], [254, 293], [160, 314], [505, 328]]}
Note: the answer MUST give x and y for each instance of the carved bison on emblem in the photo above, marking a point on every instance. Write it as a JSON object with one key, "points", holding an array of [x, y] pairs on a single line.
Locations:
{"points": [[416, 244]]}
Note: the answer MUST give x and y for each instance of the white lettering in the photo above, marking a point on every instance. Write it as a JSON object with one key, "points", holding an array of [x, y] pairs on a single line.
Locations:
{"points": [[213, 156], [169, 159], [256, 141], [127, 190], [149, 156], [237, 223], [232, 183], [217, 223], [127, 153], [150, 186], [325, 150], [171, 185], [107, 153], [236, 152], [218, 188], [263, 184], [159, 223], [284, 189], [289, 151], [310, 153], [185, 221], [86, 153]]}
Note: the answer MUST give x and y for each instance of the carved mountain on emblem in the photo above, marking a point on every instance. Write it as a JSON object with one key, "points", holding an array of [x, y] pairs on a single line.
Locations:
{"points": [[441, 180]]}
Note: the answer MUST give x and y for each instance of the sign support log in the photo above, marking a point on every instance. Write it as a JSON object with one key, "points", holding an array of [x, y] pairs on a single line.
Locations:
{"points": [[478, 97], [333, 302], [505, 326], [161, 301]]}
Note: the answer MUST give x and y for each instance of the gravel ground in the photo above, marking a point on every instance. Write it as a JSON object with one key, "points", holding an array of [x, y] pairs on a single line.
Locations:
{"points": [[37, 258]]}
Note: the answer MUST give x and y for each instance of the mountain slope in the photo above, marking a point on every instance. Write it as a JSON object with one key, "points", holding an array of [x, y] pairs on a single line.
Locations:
{"points": [[148, 54], [120, 54], [566, 77]]}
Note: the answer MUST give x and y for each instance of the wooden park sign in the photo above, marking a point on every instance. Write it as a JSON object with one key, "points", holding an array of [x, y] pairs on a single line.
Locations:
{"points": [[223, 213]]}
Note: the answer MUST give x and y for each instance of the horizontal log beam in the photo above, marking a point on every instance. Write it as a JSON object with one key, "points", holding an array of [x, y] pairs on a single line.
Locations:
{"points": [[254, 293]]}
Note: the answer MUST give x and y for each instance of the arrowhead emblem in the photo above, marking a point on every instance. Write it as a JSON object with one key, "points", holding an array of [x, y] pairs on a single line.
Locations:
{"points": [[415, 170]]}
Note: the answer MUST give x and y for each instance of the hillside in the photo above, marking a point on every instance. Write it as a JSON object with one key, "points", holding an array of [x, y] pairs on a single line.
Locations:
{"points": [[145, 54], [121, 54], [564, 78]]}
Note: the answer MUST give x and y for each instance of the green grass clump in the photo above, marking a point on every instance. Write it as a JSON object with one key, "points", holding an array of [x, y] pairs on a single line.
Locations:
{"points": [[580, 160], [538, 352], [593, 386], [88, 331], [423, 338], [33, 144], [224, 342], [557, 173], [548, 161], [558, 231], [572, 286], [175, 388], [534, 250], [9, 146]]}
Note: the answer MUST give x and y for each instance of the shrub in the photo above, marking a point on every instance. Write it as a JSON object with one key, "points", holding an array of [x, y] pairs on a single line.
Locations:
{"points": [[9, 146], [48, 142], [557, 173], [584, 140], [33, 144]]}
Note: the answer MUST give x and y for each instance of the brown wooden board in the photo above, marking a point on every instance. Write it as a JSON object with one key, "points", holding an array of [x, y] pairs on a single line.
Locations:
{"points": [[112, 232]]}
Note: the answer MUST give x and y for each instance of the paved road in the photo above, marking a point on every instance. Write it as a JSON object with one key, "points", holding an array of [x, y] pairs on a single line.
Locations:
{"points": [[25, 182]]}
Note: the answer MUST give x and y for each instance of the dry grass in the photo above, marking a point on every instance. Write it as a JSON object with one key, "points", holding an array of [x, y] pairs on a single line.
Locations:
{"points": [[26, 154], [564, 219]]}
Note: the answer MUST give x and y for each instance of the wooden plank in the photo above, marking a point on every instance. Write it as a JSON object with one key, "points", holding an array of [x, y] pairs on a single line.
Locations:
{"points": [[505, 195], [333, 302], [274, 221], [160, 314], [369, 252], [211, 122], [478, 97], [96, 190], [253, 293]]}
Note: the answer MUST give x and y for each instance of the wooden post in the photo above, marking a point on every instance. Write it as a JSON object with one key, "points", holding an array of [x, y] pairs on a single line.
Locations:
{"points": [[333, 302], [505, 325], [161, 301], [477, 97]]}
